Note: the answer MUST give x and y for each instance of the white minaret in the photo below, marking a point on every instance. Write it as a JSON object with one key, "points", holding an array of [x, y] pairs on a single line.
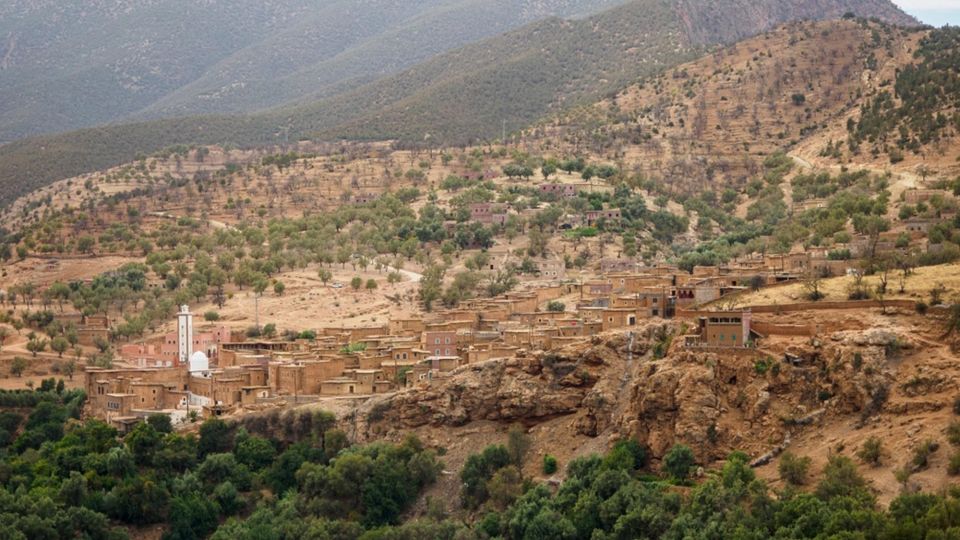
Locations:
{"points": [[184, 335]]}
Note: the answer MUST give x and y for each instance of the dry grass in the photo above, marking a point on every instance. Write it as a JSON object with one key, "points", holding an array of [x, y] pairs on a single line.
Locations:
{"points": [[917, 287]]}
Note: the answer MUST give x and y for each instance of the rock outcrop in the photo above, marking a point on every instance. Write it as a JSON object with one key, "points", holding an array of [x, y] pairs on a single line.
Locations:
{"points": [[612, 386]]}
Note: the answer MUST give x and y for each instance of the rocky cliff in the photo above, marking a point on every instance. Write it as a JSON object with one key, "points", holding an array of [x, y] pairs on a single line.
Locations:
{"points": [[613, 386]]}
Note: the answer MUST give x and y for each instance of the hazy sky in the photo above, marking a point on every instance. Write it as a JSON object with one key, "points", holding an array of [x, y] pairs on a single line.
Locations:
{"points": [[934, 12]]}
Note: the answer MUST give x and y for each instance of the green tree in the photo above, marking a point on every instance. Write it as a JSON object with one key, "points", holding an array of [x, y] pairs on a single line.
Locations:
{"points": [[161, 423], [18, 365], [679, 461], [549, 464], [431, 285], [518, 444], [69, 368], [59, 345], [142, 441], [255, 452], [215, 437], [793, 469], [841, 479], [36, 345]]}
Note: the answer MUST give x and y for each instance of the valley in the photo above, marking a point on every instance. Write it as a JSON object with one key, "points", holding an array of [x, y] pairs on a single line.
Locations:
{"points": [[651, 270]]}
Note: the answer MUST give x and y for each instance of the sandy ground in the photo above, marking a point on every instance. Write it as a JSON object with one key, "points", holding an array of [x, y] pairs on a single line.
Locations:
{"points": [[917, 287], [45, 271], [308, 303]]}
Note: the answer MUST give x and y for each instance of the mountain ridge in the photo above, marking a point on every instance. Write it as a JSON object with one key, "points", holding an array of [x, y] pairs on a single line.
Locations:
{"points": [[463, 96], [69, 67]]}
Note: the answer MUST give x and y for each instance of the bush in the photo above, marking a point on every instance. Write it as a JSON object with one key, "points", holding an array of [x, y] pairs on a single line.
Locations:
{"points": [[679, 461], [953, 467], [549, 464], [761, 366], [953, 433], [871, 451], [956, 405], [211, 316], [556, 306], [794, 469], [922, 453]]}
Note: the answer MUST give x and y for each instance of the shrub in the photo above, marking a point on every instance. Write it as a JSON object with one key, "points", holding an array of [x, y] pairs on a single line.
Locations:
{"points": [[793, 469], [953, 433], [679, 461], [922, 453], [956, 405], [549, 464], [857, 361], [953, 467], [762, 365], [211, 316], [556, 306], [871, 450], [841, 479]]}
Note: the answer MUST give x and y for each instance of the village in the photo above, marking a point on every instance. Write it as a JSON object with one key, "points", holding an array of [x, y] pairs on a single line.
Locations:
{"points": [[197, 372]]}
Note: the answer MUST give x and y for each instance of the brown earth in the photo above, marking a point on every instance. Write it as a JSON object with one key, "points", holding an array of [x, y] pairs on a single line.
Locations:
{"points": [[866, 374]]}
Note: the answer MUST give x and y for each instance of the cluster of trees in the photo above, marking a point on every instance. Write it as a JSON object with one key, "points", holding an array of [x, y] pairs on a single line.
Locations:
{"points": [[924, 92], [615, 496], [66, 479]]}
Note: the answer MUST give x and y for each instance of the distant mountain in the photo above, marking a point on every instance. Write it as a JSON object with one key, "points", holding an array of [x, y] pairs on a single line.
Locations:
{"points": [[469, 94], [67, 65]]}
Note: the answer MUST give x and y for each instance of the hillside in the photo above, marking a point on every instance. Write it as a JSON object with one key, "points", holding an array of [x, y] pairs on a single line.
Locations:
{"points": [[470, 94], [809, 88], [68, 66]]}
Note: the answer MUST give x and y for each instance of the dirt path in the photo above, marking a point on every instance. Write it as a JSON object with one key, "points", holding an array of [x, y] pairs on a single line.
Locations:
{"points": [[412, 276], [900, 182]]}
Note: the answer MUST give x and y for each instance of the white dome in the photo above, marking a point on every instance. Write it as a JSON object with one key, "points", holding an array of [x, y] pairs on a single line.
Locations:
{"points": [[199, 362]]}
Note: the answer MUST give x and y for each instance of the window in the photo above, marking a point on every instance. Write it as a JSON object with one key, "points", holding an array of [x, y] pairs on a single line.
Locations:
{"points": [[436, 341], [447, 341]]}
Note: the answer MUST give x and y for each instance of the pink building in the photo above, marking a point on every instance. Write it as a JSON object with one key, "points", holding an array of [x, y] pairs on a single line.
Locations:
{"points": [[440, 343], [163, 351]]}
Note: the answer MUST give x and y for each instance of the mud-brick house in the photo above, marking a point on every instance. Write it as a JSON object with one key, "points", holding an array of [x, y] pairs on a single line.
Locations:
{"points": [[915, 196], [552, 268], [488, 213], [625, 265], [723, 329], [364, 198], [918, 226], [609, 215], [613, 318], [567, 191]]}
